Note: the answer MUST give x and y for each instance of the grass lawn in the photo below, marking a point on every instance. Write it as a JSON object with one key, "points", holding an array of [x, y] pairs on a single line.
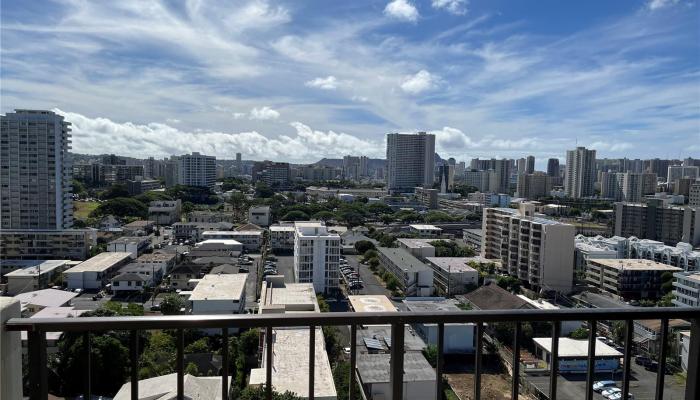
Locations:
{"points": [[82, 209]]}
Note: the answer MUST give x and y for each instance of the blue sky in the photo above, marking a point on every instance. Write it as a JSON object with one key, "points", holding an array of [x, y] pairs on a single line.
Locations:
{"points": [[298, 81]]}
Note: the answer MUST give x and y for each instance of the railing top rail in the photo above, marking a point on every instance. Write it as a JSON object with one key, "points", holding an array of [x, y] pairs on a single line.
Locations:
{"points": [[342, 318]]}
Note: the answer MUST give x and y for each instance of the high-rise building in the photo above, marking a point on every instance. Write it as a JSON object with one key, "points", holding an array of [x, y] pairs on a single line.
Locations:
{"points": [[653, 220], [196, 170], [521, 165], [499, 181], [534, 186], [316, 256], [446, 178], [355, 167], [478, 179], [676, 172], [627, 186], [659, 167], [530, 165], [580, 173], [536, 250], [239, 163], [36, 171], [275, 174], [410, 161], [694, 195], [553, 167]]}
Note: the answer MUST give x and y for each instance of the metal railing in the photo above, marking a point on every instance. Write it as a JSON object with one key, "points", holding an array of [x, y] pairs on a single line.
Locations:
{"points": [[37, 328]]}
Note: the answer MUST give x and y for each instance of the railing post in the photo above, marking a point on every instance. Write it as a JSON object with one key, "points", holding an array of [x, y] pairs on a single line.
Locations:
{"points": [[37, 365], [590, 375], [268, 366], [224, 363], [692, 383], [180, 364], [515, 389], [629, 332], [440, 360], [477, 359], [554, 360], [87, 348], [312, 360], [353, 360], [134, 349], [396, 370], [661, 372]]}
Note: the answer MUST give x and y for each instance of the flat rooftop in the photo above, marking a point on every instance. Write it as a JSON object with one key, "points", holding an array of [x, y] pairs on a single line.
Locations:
{"points": [[403, 259], [225, 242], [538, 220], [36, 267], [130, 240], [455, 264], [281, 228], [572, 348], [371, 303], [287, 297], [416, 243], [155, 257], [46, 298], [374, 368], [425, 227], [634, 264], [217, 233], [220, 287], [101, 262], [430, 304], [693, 277]]}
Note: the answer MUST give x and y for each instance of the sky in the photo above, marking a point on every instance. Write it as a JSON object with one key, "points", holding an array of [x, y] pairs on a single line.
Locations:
{"points": [[300, 80]]}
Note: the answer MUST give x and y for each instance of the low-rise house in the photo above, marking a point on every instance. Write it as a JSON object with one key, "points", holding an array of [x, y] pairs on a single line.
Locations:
{"points": [[454, 275], [282, 238], [182, 276], [210, 216], [94, 273], [425, 230], [573, 355], [566, 327], [492, 297], [52, 337], [219, 294], [259, 215], [135, 245], [630, 279], [37, 274], [458, 338], [139, 227], [164, 387], [130, 282], [162, 262], [33, 302], [216, 248], [414, 276], [110, 223], [164, 212], [193, 230], [251, 239]]}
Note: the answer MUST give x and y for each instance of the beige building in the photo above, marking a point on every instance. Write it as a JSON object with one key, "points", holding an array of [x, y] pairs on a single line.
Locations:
{"points": [[535, 185], [628, 278], [653, 220], [70, 244], [538, 251]]}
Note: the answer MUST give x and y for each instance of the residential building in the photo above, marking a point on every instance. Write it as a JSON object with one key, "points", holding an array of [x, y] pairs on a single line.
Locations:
{"points": [[165, 212], [70, 244], [194, 170], [427, 197], [38, 275], [316, 256], [653, 220], [373, 369], [499, 176], [328, 193], [457, 339], [580, 173], [210, 216], [290, 347], [629, 279], [446, 178], [163, 262], [686, 289], [250, 239], [185, 276], [138, 186], [694, 195], [219, 294], [414, 276], [139, 227], [566, 327], [274, 174], [355, 167], [361, 303], [473, 238], [410, 161], [454, 275], [627, 186], [165, 387], [129, 282], [52, 338], [588, 248], [536, 250], [194, 230], [419, 248], [259, 215], [478, 179], [94, 273], [36, 171], [216, 248], [535, 185], [573, 355], [676, 172], [282, 238], [553, 167], [425, 230], [34, 302], [135, 245]]}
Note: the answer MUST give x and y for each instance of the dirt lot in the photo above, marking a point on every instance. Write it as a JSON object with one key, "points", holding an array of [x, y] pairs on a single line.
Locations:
{"points": [[493, 386]]}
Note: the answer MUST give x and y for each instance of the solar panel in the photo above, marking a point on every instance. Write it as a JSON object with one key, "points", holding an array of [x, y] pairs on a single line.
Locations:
{"points": [[373, 344]]}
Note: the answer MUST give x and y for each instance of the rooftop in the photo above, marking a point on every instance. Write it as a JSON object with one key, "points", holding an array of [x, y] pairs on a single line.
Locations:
{"points": [[403, 259], [425, 227], [374, 368], [220, 287], [572, 348], [282, 228], [695, 276], [538, 220], [155, 257], [225, 242], [430, 304], [415, 243], [634, 264], [371, 303], [101, 262], [139, 224], [280, 296], [380, 336], [455, 264], [46, 298], [130, 240], [36, 267], [312, 228], [493, 297], [165, 388]]}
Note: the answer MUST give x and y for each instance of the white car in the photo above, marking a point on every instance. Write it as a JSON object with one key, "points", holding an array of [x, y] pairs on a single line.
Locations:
{"points": [[611, 391], [602, 385], [618, 396]]}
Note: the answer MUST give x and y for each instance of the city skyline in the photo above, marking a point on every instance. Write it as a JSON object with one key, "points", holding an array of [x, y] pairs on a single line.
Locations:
{"points": [[297, 82]]}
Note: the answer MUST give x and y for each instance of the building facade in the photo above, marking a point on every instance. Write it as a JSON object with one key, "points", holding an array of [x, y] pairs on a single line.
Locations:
{"points": [[195, 170], [410, 161], [316, 256], [580, 173], [652, 220], [629, 279]]}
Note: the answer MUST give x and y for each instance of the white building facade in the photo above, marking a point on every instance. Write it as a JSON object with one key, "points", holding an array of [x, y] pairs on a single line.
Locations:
{"points": [[316, 256]]}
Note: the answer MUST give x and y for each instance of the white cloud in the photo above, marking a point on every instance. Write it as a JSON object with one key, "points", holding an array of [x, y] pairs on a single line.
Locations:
{"points": [[659, 4], [263, 113], [420, 82], [360, 99], [612, 147], [402, 10], [173, 121], [239, 115], [328, 83], [457, 7]]}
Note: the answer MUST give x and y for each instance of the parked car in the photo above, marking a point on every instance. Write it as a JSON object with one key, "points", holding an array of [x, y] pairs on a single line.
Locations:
{"points": [[610, 391], [618, 396], [602, 385], [642, 360]]}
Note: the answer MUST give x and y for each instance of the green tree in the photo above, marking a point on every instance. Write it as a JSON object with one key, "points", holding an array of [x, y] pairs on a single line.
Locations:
{"points": [[579, 333], [437, 216], [296, 216], [121, 207], [322, 304], [79, 188], [431, 354], [158, 357], [324, 215], [187, 207], [192, 369], [341, 377], [363, 246], [172, 304], [509, 283], [263, 191], [199, 346], [114, 191], [258, 393]]}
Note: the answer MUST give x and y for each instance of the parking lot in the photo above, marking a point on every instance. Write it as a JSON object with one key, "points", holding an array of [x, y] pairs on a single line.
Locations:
{"points": [[642, 385], [370, 283]]}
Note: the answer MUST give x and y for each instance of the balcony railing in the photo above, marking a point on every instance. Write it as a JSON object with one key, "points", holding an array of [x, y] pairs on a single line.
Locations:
{"points": [[38, 327]]}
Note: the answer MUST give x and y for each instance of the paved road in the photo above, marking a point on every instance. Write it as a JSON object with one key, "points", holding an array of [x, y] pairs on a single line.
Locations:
{"points": [[371, 284]]}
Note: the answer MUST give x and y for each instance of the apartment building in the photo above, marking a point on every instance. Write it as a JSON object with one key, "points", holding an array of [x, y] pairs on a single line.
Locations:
{"points": [[425, 230], [686, 289], [653, 220], [135, 245], [676, 172], [355, 167], [316, 256], [193, 170], [536, 250], [473, 238], [35, 276], [97, 271], [694, 195], [164, 212], [414, 276], [219, 294], [410, 161], [478, 179], [273, 174], [36, 171], [282, 237], [627, 186], [70, 244], [535, 185], [628, 279], [427, 197], [580, 173], [259, 215], [454, 275]]}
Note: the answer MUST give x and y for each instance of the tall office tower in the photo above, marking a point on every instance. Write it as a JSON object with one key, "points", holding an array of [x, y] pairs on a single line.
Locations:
{"points": [[521, 165], [534, 186], [676, 172], [500, 178], [580, 173], [316, 256], [239, 163], [659, 167], [655, 221], [535, 250], [196, 170], [628, 186], [36, 171], [530, 165], [460, 168], [355, 167], [446, 178], [480, 165], [477, 179], [553, 167], [410, 161]]}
